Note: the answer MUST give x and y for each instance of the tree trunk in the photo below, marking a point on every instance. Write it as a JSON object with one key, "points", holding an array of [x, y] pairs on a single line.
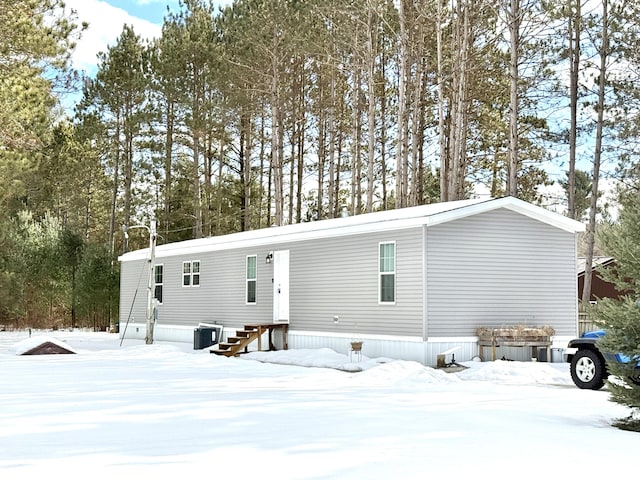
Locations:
{"points": [[128, 178], [336, 192], [402, 156], [442, 135], [383, 131], [300, 144], [168, 167], [262, 222], [245, 169], [591, 228], [73, 295], [514, 37], [420, 196], [292, 171], [195, 138], [417, 127], [457, 135], [195, 179], [322, 156], [114, 194], [208, 158], [276, 146], [372, 42], [356, 164], [331, 125], [575, 30]]}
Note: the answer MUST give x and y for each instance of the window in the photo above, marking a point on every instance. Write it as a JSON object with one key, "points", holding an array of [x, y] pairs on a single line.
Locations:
{"points": [[252, 276], [191, 274], [387, 273], [158, 280]]}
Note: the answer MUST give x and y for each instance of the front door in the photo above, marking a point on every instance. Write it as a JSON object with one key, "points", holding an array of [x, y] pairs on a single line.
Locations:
{"points": [[281, 286]]}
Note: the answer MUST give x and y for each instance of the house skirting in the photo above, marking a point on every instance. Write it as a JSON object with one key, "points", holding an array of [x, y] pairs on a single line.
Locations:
{"points": [[374, 346], [161, 333]]}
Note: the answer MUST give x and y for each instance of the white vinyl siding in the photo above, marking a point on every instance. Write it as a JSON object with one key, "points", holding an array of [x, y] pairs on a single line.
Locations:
{"points": [[494, 268], [221, 297], [499, 268], [387, 272], [345, 284], [252, 278]]}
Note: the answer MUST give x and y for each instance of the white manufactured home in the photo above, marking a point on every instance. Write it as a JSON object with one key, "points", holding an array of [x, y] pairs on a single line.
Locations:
{"points": [[410, 283]]}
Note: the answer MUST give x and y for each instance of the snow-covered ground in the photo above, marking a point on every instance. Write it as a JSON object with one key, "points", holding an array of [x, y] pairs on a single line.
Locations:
{"points": [[166, 411]]}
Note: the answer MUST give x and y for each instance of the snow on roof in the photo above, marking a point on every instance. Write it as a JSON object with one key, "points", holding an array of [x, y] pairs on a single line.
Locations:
{"points": [[581, 263], [410, 217], [33, 343]]}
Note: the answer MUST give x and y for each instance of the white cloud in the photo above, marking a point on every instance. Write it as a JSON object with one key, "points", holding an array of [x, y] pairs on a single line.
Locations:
{"points": [[173, 3], [105, 26]]}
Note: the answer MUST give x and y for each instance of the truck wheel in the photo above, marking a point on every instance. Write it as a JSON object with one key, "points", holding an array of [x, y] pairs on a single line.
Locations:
{"points": [[587, 370]]}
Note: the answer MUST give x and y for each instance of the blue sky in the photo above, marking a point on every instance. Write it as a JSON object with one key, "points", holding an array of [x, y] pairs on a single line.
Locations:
{"points": [[106, 19], [150, 10]]}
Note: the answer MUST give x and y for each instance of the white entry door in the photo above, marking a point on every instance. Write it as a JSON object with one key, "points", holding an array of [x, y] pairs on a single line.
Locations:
{"points": [[281, 286]]}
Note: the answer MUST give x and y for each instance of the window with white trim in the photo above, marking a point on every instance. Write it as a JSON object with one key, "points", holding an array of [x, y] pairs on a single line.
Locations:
{"points": [[387, 272], [158, 281], [252, 278], [191, 273]]}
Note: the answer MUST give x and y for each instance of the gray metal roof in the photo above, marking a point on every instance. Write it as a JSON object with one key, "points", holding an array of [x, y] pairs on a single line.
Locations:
{"points": [[410, 217]]}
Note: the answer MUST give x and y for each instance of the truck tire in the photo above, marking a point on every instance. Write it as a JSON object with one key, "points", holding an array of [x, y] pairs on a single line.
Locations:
{"points": [[588, 370]]}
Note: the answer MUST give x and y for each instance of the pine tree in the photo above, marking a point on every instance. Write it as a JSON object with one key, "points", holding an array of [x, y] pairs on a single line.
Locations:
{"points": [[581, 193], [36, 41], [118, 94], [621, 318]]}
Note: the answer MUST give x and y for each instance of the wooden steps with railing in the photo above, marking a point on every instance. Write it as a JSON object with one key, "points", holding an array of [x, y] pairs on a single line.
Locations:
{"points": [[239, 343]]}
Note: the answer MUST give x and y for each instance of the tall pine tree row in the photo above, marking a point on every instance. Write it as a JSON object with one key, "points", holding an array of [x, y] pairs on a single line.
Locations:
{"points": [[275, 112]]}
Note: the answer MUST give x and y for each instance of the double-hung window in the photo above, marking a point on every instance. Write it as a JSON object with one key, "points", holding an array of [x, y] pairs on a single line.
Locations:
{"points": [[252, 278], [158, 280], [191, 273], [387, 272]]}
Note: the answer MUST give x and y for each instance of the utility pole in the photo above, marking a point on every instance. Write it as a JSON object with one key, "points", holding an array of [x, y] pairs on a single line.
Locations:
{"points": [[148, 338], [150, 293]]}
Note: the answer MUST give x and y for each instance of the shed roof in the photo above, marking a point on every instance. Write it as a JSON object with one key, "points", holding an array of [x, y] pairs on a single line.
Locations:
{"points": [[42, 345], [581, 263], [410, 217]]}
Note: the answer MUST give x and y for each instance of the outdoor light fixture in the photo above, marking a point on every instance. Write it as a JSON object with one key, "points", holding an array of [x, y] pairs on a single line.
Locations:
{"points": [[269, 257]]}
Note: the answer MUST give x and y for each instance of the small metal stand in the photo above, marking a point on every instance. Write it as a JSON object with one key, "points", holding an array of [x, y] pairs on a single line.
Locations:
{"points": [[453, 362], [356, 351], [441, 359]]}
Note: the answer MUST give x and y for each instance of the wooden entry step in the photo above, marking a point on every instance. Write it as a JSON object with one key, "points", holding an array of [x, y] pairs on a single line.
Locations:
{"points": [[239, 343]]}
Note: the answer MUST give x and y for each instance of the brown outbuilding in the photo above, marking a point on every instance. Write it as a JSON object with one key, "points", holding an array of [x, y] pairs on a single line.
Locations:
{"points": [[48, 348]]}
